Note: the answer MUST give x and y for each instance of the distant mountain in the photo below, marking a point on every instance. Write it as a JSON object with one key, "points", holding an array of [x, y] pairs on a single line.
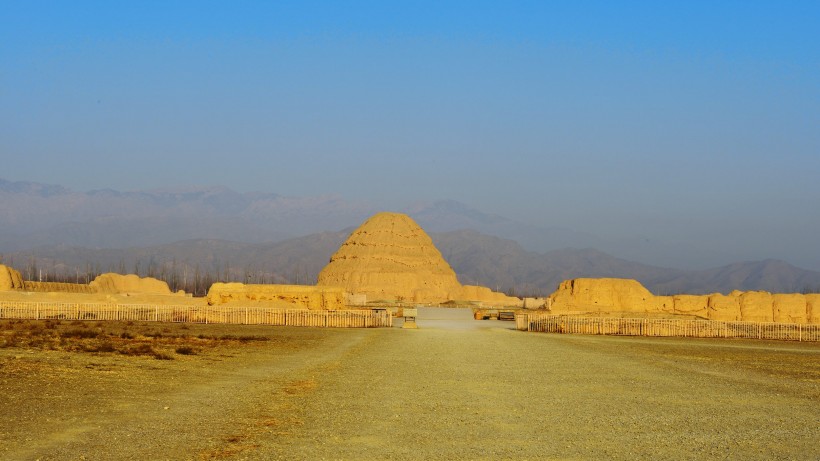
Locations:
{"points": [[506, 265], [478, 259], [449, 215], [769, 275], [31, 188], [500, 263], [296, 260], [33, 215], [497, 251]]}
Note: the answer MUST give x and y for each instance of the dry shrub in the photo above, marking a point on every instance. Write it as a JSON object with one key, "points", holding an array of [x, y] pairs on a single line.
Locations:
{"points": [[78, 333], [138, 349], [185, 350], [34, 327], [12, 340], [37, 341], [106, 346], [244, 338], [145, 349]]}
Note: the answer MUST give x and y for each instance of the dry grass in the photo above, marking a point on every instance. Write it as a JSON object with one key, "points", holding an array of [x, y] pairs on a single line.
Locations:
{"points": [[162, 342]]}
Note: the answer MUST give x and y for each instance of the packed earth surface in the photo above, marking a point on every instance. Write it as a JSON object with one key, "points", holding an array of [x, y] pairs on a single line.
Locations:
{"points": [[454, 388]]}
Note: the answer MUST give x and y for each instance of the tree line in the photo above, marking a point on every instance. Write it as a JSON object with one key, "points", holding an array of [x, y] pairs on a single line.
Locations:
{"points": [[195, 279]]}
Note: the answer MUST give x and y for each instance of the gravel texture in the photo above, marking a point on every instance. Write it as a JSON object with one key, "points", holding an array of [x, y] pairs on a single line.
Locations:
{"points": [[453, 389]]}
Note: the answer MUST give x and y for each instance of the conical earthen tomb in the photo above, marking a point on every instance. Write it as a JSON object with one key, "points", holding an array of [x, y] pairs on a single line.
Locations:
{"points": [[390, 257]]}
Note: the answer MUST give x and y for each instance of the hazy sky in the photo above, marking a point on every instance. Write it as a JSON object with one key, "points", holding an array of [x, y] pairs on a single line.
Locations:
{"points": [[685, 122]]}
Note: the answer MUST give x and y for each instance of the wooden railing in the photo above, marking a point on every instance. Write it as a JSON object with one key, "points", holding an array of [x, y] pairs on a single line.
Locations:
{"points": [[666, 327], [363, 318]]}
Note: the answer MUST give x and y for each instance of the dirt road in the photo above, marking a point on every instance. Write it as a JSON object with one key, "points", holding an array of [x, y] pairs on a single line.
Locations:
{"points": [[448, 390]]}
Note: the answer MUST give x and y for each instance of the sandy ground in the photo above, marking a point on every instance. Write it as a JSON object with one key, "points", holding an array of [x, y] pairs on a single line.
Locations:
{"points": [[453, 389]]}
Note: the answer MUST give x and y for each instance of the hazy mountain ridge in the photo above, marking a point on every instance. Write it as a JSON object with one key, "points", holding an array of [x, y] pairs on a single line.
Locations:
{"points": [[479, 259], [36, 214], [503, 263], [28, 187], [33, 215], [449, 215], [769, 275], [286, 239]]}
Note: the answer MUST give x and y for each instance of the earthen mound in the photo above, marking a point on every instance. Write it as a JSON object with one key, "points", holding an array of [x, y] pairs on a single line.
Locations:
{"points": [[117, 283], [605, 294], [10, 279], [390, 257]]}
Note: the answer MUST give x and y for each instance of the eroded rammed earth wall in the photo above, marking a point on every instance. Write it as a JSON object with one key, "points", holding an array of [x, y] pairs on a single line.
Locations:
{"points": [[292, 296], [624, 295], [11, 280]]}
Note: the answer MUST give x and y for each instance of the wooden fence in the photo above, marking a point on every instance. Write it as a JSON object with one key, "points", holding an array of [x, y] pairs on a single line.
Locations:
{"points": [[666, 327], [196, 314]]}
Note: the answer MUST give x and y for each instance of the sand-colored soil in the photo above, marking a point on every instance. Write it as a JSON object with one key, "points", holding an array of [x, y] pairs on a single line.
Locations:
{"points": [[449, 390]]}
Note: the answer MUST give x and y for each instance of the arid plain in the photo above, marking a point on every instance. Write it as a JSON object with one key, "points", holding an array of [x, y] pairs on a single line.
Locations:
{"points": [[453, 389], [74, 386]]}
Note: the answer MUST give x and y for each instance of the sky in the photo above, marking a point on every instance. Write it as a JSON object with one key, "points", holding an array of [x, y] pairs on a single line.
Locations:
{"points": [[694, 123]]}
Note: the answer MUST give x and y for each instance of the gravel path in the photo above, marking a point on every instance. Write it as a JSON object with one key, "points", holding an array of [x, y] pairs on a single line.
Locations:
{"points": [[494, 393], [452, 389]]}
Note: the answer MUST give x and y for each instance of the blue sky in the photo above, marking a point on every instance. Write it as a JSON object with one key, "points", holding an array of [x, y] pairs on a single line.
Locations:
{"points": [[692, 123]]}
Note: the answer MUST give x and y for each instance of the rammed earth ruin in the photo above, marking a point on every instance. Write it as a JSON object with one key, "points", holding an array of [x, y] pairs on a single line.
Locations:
{"points": [[390, 259]]}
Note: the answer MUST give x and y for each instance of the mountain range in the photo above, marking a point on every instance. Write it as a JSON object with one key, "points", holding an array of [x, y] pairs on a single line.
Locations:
{"points": [[276, 239]]}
